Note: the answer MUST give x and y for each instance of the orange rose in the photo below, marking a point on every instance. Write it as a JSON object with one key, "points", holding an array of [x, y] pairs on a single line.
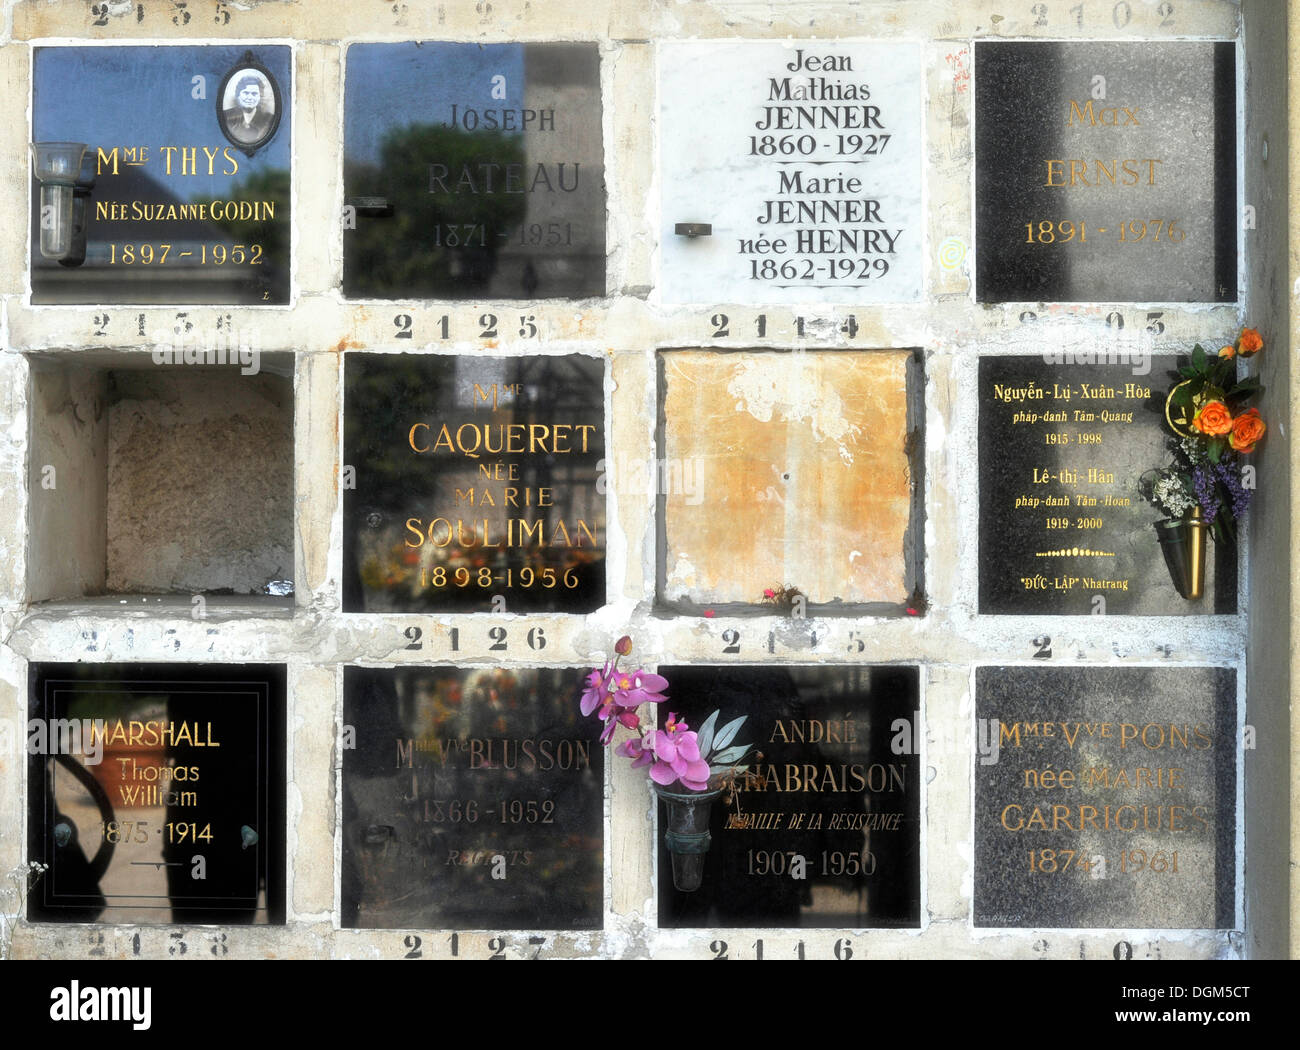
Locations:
{"points": [[1213, 418], [1228, 351], [1249, 342], [1247, 429]]}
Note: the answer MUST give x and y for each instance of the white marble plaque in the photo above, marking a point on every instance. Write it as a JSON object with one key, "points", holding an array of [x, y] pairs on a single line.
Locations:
{"points": [[804, 157]]}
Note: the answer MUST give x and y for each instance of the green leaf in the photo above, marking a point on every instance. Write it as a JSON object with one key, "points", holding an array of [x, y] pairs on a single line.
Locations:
{"points": [[1226, 525], [704, 736], [1198, 357], [730, 755], [728, 732], [1187, 372], [1216, 450]]}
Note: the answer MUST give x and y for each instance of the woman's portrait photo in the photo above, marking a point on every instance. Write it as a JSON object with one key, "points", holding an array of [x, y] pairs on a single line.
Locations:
{"points": [[248, 104]]}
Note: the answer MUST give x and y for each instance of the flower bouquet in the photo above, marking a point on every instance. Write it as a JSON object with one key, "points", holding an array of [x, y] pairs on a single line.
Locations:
{"points": [[689, 768], [1203, 490]]}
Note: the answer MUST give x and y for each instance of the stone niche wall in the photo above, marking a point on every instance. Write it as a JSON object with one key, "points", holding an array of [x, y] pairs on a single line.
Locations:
{"points": [[267, 499], [165, 480], [200, 481]]}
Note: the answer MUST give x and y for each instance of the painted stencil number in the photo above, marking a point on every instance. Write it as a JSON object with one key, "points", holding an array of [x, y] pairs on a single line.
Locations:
{"points": [[731, 640], [413, 633], [1043, 646], [498, 636], [402, 322], [719, 949], [412, 942], [1039, 11], [488, 322], [1077, 11], [99, 14], [1166, 13], [720, 329], [497, 945], [1122, 14]]}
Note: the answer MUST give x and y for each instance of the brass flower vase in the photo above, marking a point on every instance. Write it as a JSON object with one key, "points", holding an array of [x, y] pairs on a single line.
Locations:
{"points": [[1183, 543], [687, 833]]}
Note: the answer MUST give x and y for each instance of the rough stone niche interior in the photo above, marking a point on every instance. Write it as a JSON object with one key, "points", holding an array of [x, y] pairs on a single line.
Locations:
{"points": [[153, 483]]}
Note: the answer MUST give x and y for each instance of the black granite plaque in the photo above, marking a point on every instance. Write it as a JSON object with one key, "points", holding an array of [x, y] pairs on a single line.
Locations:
{"points": [[473, 171], [1062, 526], [1106, 172], [156, 793], [182, 191], [1106, 797], [825, 831], [472, 799], [477, 484]]}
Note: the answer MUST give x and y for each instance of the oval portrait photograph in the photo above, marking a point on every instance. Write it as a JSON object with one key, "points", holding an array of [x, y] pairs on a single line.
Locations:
{"points": [[248, 105]]}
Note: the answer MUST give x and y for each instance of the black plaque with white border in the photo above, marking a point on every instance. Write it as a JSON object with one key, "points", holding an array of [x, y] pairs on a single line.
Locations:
{"points": [[156, 793]]}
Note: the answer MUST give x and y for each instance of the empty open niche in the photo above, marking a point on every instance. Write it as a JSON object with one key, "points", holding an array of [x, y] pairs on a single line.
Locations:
{"points": [[152, 482]]}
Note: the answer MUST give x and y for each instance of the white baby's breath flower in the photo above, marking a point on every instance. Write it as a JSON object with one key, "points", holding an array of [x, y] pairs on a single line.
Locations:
{"points": [[1171, 495]]}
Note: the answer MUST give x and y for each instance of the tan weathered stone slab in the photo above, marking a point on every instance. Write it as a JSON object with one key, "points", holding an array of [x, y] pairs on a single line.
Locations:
{"points": [[804, 475]]}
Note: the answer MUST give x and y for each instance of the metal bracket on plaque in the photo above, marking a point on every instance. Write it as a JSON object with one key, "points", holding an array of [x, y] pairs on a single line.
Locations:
{"points": [[372, 207], [693, 229]]}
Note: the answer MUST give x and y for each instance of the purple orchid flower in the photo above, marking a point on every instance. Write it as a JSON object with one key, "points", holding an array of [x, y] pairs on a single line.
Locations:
{"points": [[633, 688], [639, 755], [597, 691], [677, 755], [613, 716]]}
